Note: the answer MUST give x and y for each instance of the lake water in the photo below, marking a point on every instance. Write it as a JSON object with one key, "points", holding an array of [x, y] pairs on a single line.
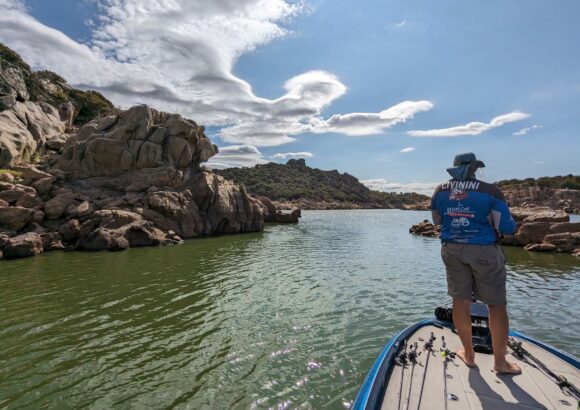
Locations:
{"points": [[289, 318]]}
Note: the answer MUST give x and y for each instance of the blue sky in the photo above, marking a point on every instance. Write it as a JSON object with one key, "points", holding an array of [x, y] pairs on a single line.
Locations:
{"points": [[267, 77]]}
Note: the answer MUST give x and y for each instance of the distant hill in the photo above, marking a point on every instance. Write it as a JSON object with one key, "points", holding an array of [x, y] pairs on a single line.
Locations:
{"points": [[559, 192], [558, 182], [296, 184]]}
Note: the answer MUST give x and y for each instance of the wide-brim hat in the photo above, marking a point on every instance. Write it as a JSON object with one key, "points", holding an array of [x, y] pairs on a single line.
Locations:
{"points": [[464, 165], [466, 159]]}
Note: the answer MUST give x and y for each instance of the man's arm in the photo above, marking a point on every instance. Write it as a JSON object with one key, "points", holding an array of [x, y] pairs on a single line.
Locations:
{"points": [[436, 215], [502, 219]]}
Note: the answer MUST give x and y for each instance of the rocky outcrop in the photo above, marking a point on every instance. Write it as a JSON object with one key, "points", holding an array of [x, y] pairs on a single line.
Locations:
{"points": [[135, 150], [538, 230], [274, 215], [561, 192], [37, 108], [21, 246], [133, 179], [118, 230], [288, 218], [425, 228], [25, 129]]}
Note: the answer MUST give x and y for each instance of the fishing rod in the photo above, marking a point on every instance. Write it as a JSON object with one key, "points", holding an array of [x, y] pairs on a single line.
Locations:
{"points": [[413, 359], [402, 361], [429, 347], [567, 388], [446, 354]]}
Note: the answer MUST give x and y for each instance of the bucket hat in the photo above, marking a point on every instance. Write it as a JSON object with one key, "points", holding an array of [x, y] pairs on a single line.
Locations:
{"points": [[464, 166]]}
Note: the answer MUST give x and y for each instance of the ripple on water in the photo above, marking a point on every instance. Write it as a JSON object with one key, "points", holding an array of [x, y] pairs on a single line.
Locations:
{"points": [[291, 318]]}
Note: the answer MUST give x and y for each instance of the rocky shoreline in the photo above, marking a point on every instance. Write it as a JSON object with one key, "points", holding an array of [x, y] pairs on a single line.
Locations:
{"points": [[539, 229], [132, 179]]}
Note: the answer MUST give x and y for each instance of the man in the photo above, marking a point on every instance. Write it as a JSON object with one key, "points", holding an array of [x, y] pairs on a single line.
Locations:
{"points": [[473, 214]]}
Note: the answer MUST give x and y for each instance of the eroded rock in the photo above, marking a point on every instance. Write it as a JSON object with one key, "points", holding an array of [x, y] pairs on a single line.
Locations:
{"points": [[118, 230], [22, 246], [15, 217]]}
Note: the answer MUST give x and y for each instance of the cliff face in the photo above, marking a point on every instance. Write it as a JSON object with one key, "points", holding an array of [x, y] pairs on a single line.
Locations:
{"points": [[297, 185], [130, 178], [37, 108]]}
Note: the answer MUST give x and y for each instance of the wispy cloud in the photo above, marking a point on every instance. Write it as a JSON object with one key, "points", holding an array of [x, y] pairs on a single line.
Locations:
{"points": [[524, 131], [236, 156], [472, 128], [400, 24], [286, 155], [380, 184], [179, 56], [408, 149], [360, 124]]}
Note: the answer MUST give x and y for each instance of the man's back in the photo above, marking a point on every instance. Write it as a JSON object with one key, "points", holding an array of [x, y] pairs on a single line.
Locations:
{"points": [[471, 211]]}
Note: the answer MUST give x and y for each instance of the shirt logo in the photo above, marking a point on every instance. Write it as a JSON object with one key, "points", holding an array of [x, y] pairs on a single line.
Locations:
{"points": [[458, 194], [460, 211]]}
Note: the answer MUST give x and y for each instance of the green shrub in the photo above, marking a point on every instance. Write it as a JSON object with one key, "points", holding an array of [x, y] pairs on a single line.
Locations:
{"points": [[12, 56], [91, 104], [59, 96], [50, 76]]}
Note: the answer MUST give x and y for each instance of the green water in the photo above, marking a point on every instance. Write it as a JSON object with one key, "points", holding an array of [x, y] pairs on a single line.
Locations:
{"points": [[290, 318]]}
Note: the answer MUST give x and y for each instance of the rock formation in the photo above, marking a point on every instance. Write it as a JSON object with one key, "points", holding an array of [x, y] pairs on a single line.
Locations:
{"points": [[425, 228], [560, 192], [124, 179], [274, 215], [37, 108], [132, 179]]}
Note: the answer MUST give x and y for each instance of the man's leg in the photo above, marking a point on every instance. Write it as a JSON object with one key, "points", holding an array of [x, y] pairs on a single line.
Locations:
{"points": [[499, 326], [462, 322]]}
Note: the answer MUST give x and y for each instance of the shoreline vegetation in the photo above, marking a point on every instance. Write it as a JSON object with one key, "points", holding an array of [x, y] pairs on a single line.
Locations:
{"points": [[76, 173]]}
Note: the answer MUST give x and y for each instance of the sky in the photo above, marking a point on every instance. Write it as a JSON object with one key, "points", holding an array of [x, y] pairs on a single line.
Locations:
{"points": [[388, 91]]}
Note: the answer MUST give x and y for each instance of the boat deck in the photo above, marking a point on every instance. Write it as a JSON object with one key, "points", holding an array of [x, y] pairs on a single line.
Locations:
{"points": [[477, 388]]}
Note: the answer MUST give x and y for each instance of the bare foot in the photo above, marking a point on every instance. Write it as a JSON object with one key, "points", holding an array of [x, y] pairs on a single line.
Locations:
{"points": [[508, 368], [469, 360]]}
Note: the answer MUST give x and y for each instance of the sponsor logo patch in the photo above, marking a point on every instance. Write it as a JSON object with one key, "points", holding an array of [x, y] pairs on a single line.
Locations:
{"points": [[460, 211], [458, 194]]}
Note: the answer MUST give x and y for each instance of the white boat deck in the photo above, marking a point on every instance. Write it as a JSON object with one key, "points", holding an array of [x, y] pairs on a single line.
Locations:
{"points": [[477, 388]]}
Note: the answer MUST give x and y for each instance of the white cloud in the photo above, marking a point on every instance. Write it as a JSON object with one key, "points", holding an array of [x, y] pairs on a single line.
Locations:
{"points": [[360, 124], [179, 55], [236, 156], [472, 128], [524, 131], [400, 24], [408, 149], [286, 155], [380, 184]]}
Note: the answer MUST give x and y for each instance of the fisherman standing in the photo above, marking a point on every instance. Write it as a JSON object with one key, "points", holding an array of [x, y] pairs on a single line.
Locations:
{"points": [[473, 215]]}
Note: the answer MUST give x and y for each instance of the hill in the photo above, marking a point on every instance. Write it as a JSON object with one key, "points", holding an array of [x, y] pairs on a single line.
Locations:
{"points": [[296, 184]]}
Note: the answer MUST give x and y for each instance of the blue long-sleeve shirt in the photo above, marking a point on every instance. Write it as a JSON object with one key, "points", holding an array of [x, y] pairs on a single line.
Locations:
{"points": [[471, 211]]}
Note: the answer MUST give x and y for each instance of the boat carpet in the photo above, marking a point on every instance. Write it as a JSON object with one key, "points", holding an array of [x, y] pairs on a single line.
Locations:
{"points": [[480, 387]]}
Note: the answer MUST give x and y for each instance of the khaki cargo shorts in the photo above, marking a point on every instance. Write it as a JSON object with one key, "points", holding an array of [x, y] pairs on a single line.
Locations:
{"points": [[475, 268]]}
